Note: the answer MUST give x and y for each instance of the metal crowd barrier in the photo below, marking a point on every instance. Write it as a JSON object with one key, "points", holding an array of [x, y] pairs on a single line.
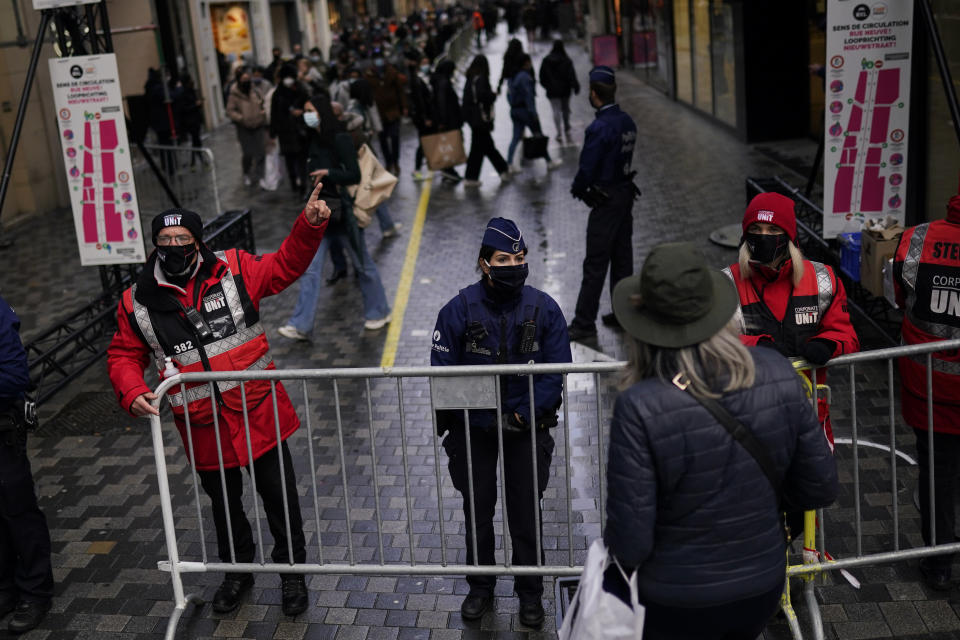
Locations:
{"points": [[418, 507], [190, 172], [416, 462], [882, 554]]}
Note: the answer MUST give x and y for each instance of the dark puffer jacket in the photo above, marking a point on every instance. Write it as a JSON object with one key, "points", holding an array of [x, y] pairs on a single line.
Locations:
{"points": [[687, 504]]}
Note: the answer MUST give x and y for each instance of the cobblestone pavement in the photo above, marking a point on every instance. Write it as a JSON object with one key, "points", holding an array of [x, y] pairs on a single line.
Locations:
{"points": [[97, 483]]}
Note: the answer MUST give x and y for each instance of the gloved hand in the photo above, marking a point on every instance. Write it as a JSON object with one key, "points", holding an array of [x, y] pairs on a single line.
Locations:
{"points": [[766, 341], [818, 350]]}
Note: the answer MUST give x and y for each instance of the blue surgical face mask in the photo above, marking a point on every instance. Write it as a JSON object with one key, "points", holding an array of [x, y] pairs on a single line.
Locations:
{"points": [[378, 62], [312, 119], [425, 69]]}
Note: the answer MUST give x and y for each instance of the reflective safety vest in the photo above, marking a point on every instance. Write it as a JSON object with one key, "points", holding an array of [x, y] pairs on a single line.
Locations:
{"points": [[927, 277], [236, 340], [808, 303]]}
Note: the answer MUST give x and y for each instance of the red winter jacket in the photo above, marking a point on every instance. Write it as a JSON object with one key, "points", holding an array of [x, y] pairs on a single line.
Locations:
{"points": [[926, 271], [818, 308], [226, 291]]}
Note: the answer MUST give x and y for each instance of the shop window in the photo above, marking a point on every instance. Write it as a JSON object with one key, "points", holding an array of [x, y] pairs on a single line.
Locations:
{"points": [[943, 151], [702, 84], [683, 51], [724, 63]]}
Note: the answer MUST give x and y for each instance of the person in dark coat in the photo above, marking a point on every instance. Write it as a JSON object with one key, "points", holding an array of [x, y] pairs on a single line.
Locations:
{"points": [[512, 61], [482, 326], [419, 102], [447, 113], [189, 115], [26, 574], [478, 100], [559, 79], [286, 118], [689, 509], [523, 110]]}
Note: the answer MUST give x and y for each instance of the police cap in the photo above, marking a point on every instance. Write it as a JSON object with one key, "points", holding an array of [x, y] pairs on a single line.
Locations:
{"points": [[503, 235], [603, 74]]}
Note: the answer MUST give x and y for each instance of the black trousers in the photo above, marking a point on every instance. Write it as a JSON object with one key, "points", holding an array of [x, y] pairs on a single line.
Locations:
{"points": [[482, 146], [738, 620], [946, 469], [521, 496], [267, 470], [296, 169], [609, 243], [390, 143], [25, 570]]}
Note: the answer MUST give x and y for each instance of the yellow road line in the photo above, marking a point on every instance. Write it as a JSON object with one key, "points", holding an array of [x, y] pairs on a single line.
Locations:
{"points": [[406, 279]]}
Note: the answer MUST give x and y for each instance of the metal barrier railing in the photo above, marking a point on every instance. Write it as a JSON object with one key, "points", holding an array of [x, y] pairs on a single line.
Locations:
{"points": [[419, 508], [190, 172]]}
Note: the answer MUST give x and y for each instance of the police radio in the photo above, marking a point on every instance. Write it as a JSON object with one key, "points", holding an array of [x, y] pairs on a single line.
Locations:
{"points": [[199, 324]]}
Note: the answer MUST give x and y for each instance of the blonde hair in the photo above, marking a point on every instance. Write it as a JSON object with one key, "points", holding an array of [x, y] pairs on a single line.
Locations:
{"points": [[796, 260], [721, 357]]}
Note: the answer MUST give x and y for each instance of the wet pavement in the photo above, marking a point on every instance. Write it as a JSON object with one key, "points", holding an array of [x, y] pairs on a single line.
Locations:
{"points": [[94, 466]]}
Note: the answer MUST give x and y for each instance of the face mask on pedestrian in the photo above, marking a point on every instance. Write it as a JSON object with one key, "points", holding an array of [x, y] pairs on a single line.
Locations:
{"points": [[244, 86], [314, 59], [766, 248], [289, 82], [378, 63], [425, 69], [508, 278], [312, 119], [176, 260]]}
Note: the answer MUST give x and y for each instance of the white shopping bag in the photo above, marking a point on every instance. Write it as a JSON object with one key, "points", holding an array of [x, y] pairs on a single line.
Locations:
{"points": [[593, 613], [271, 168]]}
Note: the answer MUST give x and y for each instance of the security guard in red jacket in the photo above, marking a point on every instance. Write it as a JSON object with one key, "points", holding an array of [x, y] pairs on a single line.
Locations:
{"points": [[201, 309], [926, 272], [788, 303]]}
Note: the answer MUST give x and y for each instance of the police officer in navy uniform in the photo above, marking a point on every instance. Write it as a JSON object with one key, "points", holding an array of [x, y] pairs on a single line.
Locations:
{"points": [[499, 320], [26, 576], [604, 182]]}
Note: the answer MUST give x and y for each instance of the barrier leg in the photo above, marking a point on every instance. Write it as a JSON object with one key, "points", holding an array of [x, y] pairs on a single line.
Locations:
{"points": [[169, 531], [809, 593], [787, 607]]}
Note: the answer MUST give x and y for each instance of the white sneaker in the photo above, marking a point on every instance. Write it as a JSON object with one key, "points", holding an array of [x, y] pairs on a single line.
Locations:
{"points": [[247, 181], [553, 164], [420, 176], [506, 176], [515, 169], [373, 325], [472, 183], [290, 331], [392, 231]]}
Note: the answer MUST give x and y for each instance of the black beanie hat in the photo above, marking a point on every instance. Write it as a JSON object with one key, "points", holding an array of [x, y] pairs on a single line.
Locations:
{"points": [[178, 218]]}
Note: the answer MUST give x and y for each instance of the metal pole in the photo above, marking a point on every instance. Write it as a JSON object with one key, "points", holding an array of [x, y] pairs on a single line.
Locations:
{"points": [[937, 45], [22, 109]]}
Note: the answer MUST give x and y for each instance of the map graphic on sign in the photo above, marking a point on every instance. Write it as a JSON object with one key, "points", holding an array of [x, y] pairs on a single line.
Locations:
{"points": [[859, 185], [97, 159]]}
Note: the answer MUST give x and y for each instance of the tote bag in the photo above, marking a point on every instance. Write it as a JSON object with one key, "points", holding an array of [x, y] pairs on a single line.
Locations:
{"points": [[375, 186], [593, 613], [443, 150]]}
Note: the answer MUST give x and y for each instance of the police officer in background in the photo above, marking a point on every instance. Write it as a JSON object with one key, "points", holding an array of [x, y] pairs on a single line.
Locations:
{"points": [[26, 577], [498, 320], [604, 182], [926, 270]]}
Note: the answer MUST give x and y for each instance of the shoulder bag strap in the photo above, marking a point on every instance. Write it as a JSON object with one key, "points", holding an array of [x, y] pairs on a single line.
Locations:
{"points": [[740, 432]]}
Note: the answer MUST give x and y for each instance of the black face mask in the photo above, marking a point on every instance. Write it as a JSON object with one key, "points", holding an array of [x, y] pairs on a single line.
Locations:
{"points": [[176, 260], [767, 249], [509, 279], [245, 86]]}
